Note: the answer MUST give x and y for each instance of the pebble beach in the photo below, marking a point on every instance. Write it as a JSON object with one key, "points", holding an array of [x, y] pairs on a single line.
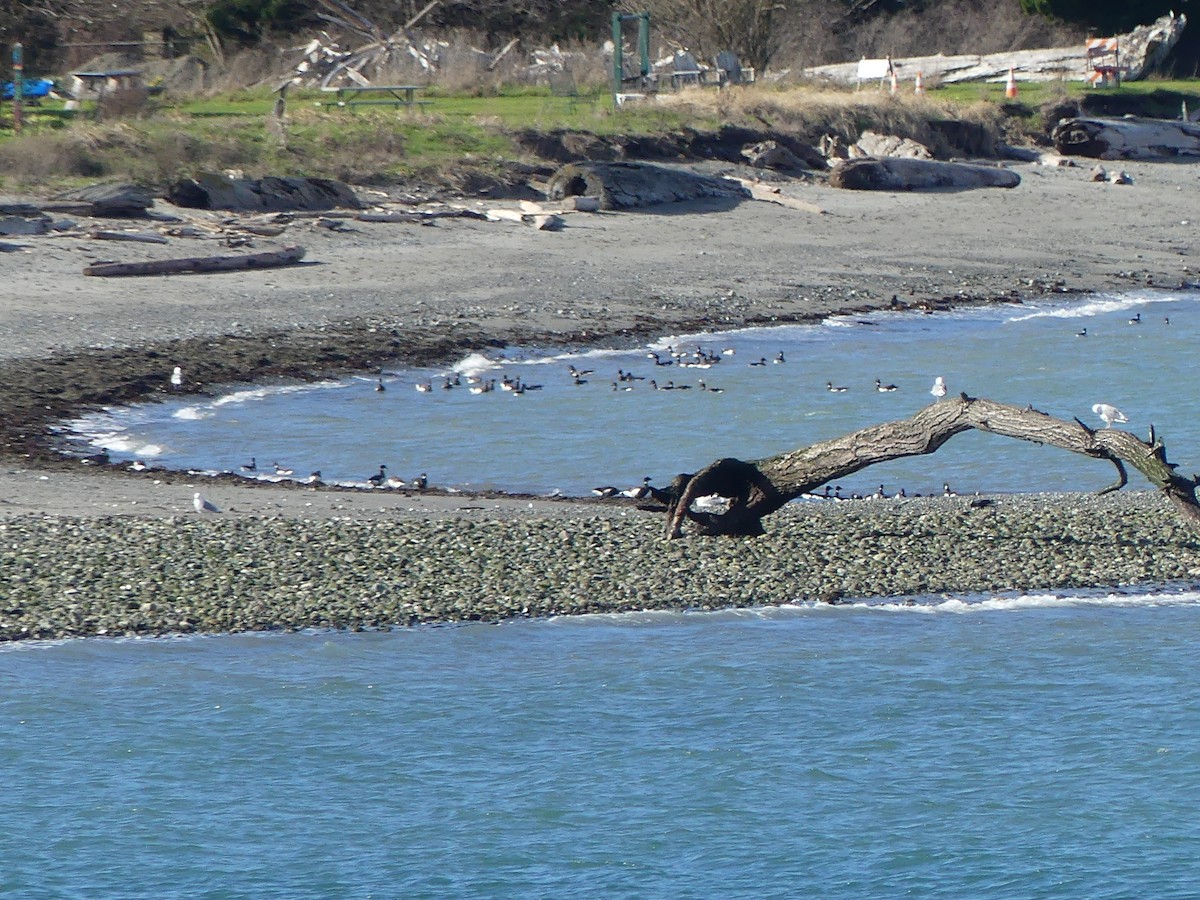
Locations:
{"points": [[114, 576], [101, 551]]}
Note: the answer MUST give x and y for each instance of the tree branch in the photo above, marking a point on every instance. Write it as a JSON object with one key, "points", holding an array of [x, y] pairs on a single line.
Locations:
{"points": [[760, 487]]}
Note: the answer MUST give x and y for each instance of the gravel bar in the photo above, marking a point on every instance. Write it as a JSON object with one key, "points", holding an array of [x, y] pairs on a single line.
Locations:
{"points": [[190, 574]]}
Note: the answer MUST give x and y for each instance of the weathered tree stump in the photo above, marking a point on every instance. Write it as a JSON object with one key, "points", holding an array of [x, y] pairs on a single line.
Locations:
{"points": [[758, 488]]}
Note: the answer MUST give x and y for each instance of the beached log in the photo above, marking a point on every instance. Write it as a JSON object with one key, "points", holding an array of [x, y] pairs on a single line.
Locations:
{"points": [[757, 488], [214, 190], [623, 185], [288, 256], [896, 174], [1142, 50], [140, 237], [1127, 138]]}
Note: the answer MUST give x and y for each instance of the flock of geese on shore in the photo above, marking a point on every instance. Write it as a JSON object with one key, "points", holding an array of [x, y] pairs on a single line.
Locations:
{"points": [[380, 479]]}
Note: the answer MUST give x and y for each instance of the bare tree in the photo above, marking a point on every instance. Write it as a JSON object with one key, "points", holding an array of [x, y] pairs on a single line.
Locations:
{"points": [[754, 489], [750, 28]]}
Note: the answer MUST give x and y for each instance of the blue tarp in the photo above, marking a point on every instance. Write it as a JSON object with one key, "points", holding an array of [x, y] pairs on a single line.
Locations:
{"points": [[32, 89]]}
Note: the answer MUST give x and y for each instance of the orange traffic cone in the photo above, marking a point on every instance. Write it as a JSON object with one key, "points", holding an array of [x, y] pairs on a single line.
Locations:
{"points": [[1010, 87], [919, 87]]}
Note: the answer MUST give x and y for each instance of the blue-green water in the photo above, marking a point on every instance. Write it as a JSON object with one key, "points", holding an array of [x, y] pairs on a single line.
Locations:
{"points": [[569, 437], [1005, 747]]}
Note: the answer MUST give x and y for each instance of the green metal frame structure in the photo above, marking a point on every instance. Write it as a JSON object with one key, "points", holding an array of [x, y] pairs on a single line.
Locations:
{"points": [[643, 49]]}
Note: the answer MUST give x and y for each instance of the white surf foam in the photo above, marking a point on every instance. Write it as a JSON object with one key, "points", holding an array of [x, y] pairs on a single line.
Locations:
{"points": [[193, 413], [1018, 602], [1099, 305]]}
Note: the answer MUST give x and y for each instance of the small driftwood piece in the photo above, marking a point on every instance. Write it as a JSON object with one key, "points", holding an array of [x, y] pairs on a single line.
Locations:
{"points": [[263, 230], [390, 217], [140, 237], [288, 256], [756, 488], [421, 217], [769, 193]]}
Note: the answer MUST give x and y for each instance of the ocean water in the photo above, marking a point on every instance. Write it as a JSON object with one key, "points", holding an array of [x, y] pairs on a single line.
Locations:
{"points": [[567, 438], [1024, 746]]}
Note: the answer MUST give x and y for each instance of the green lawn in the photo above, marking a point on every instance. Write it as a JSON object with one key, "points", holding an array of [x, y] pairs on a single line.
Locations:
{"points": [[169, 138]]}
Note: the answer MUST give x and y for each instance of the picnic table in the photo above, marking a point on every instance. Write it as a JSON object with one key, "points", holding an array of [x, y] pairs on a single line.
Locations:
{"points": [[369, 94]]}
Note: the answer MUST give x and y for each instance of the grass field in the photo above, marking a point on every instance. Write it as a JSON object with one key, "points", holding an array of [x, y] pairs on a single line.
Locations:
{"points": [[165, 138]]}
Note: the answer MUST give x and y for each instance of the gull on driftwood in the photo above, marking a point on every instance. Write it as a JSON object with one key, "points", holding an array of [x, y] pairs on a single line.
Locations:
{"points": [[1109, 414], [939, 387]]}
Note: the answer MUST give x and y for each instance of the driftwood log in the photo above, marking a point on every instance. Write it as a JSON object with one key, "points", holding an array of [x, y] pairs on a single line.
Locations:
{"points": [[106, 200], [903, 174], [214, 190], [1130, 138], [288, 256], [757, 488], [625, 185], [138, 237], [1142, 50]]}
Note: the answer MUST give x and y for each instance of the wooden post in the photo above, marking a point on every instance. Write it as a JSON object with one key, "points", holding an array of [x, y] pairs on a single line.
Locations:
{"points": [[18, 67]]}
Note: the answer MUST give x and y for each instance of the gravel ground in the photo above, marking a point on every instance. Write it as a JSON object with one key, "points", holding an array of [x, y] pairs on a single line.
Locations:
{"points": [[64, 576]]}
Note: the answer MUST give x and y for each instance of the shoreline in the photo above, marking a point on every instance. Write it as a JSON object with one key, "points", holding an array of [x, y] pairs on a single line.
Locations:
{"points": [[387, 294]]}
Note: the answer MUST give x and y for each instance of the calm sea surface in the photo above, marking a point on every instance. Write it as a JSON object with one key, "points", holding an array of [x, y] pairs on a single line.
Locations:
{"points": [[569, 437], [1003, 747]]}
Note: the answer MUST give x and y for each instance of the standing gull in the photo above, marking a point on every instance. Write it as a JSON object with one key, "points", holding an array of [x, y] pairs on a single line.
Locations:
{"points": [[1109, 414], [202, 505], [939, 387], [176, 378]]}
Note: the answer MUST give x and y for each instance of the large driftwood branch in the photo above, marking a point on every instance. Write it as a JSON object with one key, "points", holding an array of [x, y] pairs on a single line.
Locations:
{"points": [[759, 487]]}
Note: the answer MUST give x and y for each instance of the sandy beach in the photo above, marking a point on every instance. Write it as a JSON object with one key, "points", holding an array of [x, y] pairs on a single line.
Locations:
{"points": [[389, 293]]}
